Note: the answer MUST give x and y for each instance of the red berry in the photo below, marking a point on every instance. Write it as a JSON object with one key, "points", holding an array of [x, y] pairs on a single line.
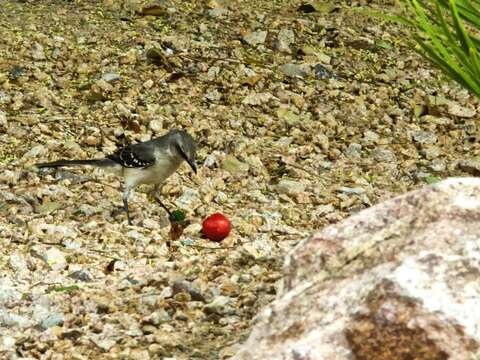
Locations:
{"points": [[216, 227]]}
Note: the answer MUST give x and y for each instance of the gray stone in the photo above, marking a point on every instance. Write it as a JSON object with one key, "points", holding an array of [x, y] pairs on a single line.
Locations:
{"points": [[34, 152], [432, 152], [349, 190], [111, 77], [218, 305], [18, 262], [4, 97], [424, 137], [371, 137], [55, 259], [384, 155], [37, 52], [10, 319], [217, 12], [285, 38], [80, 275], [8, 343], [456, 109], [159, 317], [190, 199], [256, 37], [8, 292], [290, 187], [53, 319], [354, 150], [295, 70]]}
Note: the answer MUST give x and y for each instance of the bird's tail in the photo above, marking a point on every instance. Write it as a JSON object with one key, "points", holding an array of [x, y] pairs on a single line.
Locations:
{"points": [[60, 163]]}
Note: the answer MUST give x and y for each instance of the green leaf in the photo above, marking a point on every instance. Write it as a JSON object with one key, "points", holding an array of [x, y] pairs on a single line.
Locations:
{"points": [[383, 44], [440, 32], [178, 215], [432, 179]]}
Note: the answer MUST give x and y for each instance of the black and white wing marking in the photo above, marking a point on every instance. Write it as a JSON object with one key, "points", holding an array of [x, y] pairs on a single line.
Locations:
{"points": [[134, 156]]}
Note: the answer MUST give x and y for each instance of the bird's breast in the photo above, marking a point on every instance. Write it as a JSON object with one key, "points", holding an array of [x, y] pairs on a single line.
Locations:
{"points": [[155, 174]]}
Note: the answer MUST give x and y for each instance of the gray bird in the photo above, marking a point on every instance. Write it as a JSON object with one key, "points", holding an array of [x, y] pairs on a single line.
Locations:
{"points": [[149, 162]]}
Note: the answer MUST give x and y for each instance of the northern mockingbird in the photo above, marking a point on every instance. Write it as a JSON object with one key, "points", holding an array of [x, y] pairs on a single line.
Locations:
{"points": [[149, 162]]}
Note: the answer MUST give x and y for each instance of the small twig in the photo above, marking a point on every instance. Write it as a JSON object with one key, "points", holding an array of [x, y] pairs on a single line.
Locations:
{"points": [[196, 57]]}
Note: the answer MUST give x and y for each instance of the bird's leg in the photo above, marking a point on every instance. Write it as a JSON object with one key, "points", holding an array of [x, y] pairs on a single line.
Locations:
{"points": [[156, 195], [126, 194]]}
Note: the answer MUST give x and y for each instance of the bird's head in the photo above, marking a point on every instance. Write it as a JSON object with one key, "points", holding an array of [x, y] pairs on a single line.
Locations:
{"points": [[186, 147]]}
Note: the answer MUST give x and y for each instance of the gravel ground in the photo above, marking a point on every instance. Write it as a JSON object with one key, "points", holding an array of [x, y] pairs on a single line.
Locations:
{"points": [[304, 114]]}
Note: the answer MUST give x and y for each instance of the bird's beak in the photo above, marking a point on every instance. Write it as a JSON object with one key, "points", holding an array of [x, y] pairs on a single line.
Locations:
{"points": [[193, 166]]}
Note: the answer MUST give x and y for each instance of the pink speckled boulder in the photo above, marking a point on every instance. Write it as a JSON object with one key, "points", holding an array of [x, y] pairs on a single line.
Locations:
{"points": [[400, 280]]}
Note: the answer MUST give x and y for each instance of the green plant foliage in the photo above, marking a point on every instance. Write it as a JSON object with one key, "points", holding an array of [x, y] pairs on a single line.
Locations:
{"points": [[446, 33]]}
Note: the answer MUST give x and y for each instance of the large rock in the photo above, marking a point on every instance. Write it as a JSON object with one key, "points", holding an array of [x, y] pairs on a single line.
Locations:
{"points": [[400, 280]]}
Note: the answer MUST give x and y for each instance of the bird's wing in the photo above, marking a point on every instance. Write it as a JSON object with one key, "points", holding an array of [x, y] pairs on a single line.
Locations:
{"points": [[134, 156]]}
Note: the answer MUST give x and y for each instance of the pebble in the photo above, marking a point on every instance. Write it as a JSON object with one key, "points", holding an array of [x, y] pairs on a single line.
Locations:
{"points": [[81, 276], [192, 229], [167, 292], [37, 52], [371, 137], [285, 38], [257, 98], [51, 230], [9, 177], [4, 97], [354, 150], [104, 344], [148, 84], [123, 110], [8, 343], [221, 197], [34, 152], [156, 126], [159, 317], [111, 77], [53, 319], [324, 209], [256, 37], [213, 95], [290, 187], [424, 137], [189, 200], [324, 59], [55, 259], [234, 166], [384, 155], [210, 160], [8, 292], [456, 110], [9, 319], [185, 286], [321, 72], [3, 119], [217, 306], [217, 12], [432, 152], [18, 262], [438, 165], [294, 70], [349, 190]]}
